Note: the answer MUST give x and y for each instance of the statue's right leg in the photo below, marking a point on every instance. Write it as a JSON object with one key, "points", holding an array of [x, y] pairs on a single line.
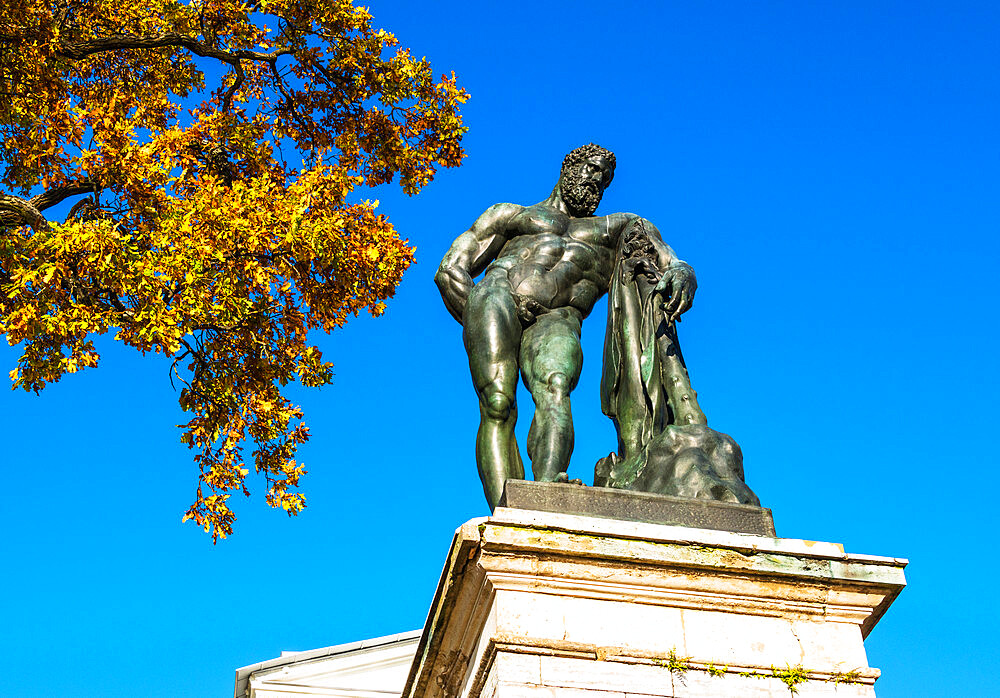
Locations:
{"points": [[492, 339], [551, 360]]}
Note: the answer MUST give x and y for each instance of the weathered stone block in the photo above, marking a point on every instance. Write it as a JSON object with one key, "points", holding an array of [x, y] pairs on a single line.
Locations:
{"points": [[536, 604]]}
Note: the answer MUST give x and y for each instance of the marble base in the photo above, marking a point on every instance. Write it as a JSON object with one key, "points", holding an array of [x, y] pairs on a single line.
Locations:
{"points": [[543, 605]]}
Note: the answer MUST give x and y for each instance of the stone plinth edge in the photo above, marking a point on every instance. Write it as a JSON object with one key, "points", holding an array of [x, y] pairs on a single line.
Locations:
{"points": [[624, 505], [537, 604]]}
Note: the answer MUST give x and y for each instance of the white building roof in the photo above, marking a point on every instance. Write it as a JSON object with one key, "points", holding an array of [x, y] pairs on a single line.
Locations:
{"points": [[374, 668]]}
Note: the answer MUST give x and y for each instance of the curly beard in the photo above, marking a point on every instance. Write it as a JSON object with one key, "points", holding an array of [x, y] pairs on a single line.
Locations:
{"points": [[581, 197]]}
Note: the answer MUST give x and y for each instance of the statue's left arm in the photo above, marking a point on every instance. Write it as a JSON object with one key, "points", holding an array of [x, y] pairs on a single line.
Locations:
{"points": [[677, 284]]}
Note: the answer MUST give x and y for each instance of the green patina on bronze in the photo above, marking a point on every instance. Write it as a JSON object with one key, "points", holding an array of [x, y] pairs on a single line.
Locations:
{"points": [[544, 267]]}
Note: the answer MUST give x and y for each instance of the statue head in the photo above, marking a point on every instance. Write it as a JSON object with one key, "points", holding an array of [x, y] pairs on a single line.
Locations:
{"points": [[586, 173]]}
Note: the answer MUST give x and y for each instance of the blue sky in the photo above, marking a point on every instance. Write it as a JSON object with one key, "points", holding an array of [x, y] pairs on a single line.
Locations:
{"points": [[830, 170]]}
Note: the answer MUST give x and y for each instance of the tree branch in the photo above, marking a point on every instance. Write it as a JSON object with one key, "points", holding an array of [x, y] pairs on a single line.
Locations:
{"points": [[227, 101], [58, 194], [120, 42], [17, 211], [14, 210]]}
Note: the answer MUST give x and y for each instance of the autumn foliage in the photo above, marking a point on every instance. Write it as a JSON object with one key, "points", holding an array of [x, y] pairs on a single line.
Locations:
{"points": [[215, 150]]}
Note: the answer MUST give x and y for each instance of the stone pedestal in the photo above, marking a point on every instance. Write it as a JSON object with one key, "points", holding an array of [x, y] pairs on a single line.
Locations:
{"points": [[536, 604], [643, 507]]}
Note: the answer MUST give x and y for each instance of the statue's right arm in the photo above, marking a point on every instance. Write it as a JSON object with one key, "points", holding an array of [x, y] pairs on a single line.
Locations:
{"points": [[470, 254]]}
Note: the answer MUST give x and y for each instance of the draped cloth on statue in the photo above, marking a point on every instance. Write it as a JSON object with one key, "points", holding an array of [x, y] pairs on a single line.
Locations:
{"points": [[664, 443]]}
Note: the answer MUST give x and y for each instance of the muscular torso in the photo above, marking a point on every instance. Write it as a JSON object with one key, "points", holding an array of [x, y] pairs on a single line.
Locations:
{"points": [[558, 261]]}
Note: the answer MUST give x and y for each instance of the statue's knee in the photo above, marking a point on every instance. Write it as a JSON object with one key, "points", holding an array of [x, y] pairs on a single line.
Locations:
{"points": [[558, 385], [498, 405]]}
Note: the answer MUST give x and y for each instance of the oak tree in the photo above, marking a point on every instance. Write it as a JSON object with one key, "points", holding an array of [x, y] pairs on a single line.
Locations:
{"points": [[215, 150]]}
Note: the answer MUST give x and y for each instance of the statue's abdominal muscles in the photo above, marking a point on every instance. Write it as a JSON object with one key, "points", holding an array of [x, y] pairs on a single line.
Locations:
{"points": [[555, 271]]}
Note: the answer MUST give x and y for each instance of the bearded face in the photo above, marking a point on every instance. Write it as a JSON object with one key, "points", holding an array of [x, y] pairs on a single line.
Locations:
{"points": [[581, 190]]}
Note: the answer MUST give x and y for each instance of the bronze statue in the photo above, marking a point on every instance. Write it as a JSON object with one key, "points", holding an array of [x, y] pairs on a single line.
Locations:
{"points": [[545, 266]]}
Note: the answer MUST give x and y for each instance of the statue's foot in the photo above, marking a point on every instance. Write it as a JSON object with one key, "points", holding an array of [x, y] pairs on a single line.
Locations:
{"points": [[563, 477]]}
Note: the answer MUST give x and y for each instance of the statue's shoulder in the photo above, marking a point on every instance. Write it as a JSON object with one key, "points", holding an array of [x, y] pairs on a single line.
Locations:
{"points": [[495, 219], [623, 220], [617, 222], [503, 210], [626, 217]]}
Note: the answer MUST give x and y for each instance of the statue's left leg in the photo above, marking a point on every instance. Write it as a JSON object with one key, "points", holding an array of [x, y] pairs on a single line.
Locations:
{"points": [[551, 359]]}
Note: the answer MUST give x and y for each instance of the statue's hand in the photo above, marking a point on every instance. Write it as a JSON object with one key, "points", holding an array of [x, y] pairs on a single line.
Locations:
{"points": [[676, 290]]}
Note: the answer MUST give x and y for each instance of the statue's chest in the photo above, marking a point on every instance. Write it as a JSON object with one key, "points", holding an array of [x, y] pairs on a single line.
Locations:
{"points": [[592, 232], [540, 221]]}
